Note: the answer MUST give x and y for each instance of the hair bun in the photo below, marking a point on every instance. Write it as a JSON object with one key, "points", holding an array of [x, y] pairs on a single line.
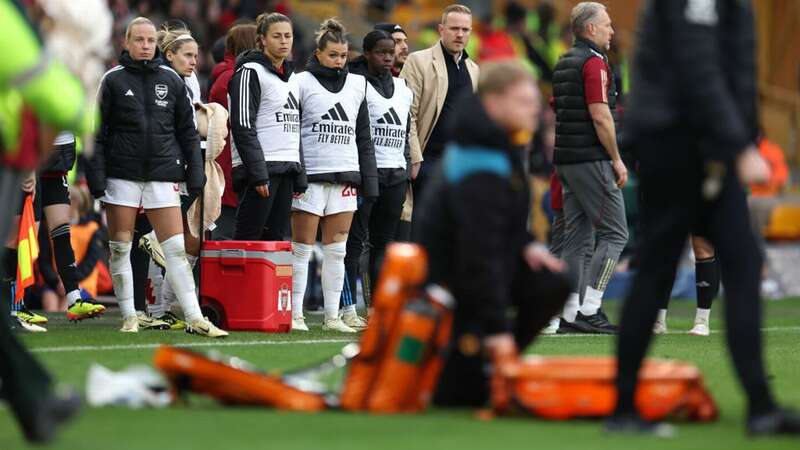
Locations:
{"points": [[332, 25]]}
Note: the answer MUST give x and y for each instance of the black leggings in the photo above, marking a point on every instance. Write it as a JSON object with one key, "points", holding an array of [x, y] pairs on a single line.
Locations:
{"points": [[670, 208], [375, 223], [265, 218], [537, 297]]}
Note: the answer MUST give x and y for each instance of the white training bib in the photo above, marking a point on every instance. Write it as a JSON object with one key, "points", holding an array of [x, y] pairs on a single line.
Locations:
{"points": [[388, 119], [328, 125], [63, 138], [278, 118]]}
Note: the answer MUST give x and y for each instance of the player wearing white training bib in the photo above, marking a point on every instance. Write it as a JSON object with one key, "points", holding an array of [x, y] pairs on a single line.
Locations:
{"points": [[265, 127], [389, 102], [339, 160]]}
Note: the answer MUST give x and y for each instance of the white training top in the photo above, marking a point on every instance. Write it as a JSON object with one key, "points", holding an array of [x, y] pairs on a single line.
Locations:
{"points": [[278, 117], [388, 118], [328, 124], [194, 87]]}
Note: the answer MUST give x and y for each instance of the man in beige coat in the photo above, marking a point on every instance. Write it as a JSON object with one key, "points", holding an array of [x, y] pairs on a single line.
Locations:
{"points": [[438, 75]]}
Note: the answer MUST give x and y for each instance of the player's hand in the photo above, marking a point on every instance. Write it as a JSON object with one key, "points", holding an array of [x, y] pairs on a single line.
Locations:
{"points": [[537, 256], [500, 344], [29, 184], [263, 190], [751, 167], [415, 170], [621, 172]]}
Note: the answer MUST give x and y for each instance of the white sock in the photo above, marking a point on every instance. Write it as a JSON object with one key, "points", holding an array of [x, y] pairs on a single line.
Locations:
{"points": [[571, 307], [301, 254], [702, 315], [349, 310], [180, 278], [73, 296], [332, 277], [119, 266], [170, 300], [554, 322], [662, 316], [591, 301], [156, 277]]}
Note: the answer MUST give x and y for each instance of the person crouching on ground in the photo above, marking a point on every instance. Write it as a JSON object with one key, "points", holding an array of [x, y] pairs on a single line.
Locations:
{"points": [[474, 221]]}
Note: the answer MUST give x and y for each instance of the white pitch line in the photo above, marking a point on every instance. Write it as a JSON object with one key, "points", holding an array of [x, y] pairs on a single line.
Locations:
{"points": [[84, 348], [672, 333], [221, 343]]}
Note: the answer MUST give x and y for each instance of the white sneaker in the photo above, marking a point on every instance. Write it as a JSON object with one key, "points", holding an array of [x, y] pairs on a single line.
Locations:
{"points": [[30, 327], [700, 328], [130, 325], [354, 321], [147, 322], [660, 327], [552, 327], [204, 327], [336, 325], [299, 324], [149, 243]]}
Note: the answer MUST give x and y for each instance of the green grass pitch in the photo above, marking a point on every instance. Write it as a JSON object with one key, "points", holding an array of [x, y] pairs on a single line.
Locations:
{"points": [[68, 350]]}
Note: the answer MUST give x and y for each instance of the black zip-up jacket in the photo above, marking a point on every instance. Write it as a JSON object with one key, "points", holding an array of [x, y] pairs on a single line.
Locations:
{"points": [[384, 85], [474, 217], [367, 178], [695, 68], [254, 170], [147, 127]]}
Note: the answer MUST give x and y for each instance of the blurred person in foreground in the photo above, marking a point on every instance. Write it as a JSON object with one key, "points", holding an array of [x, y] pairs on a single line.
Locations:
{"points": [[491, 266], [28, 75], [692, 121]]}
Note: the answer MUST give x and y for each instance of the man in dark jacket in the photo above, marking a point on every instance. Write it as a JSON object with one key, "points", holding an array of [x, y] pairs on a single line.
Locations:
{"points": [[474, 220], [692, 122]]}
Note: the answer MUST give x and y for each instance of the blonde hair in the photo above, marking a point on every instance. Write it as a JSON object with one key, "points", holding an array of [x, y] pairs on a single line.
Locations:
{"points": [[457, 9], [496, 77], [173, 38], [331, 30], [265, 21], [137, 21]]}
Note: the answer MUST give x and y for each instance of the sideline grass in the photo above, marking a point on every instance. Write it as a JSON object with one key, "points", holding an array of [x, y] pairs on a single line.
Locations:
{"points": [[204, 424]]}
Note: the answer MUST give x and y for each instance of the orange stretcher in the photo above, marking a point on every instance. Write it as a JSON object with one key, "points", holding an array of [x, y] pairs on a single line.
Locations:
{"points": [[562, 388], [396, 364]]}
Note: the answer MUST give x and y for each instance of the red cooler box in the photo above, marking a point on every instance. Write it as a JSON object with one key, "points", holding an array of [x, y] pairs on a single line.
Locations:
{"points": [[247, 285]]}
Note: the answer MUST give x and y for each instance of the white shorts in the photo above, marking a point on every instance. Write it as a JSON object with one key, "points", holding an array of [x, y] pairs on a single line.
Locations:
{"points": [[142, 194], [326, 199]]}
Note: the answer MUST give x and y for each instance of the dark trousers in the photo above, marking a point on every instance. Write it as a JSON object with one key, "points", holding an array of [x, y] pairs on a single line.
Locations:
{"points": [[373, 228], [265, 218], [426, 173], [538, 296], [24, 383], [225, 224], [140, 261], [671, 181]]}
